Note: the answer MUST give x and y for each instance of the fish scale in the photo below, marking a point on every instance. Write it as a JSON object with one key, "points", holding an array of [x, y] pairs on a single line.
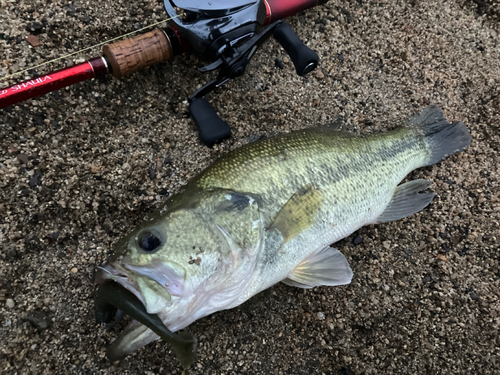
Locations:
{"points": [[322, 156], [268, 212]]}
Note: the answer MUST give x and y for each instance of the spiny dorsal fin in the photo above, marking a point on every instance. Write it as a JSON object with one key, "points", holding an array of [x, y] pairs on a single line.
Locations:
{"points": [[406, 201], [324, 267], [298, 213]]}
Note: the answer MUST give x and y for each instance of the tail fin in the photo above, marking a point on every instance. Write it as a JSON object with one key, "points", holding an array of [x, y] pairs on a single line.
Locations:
{"points": [[441, 137]]}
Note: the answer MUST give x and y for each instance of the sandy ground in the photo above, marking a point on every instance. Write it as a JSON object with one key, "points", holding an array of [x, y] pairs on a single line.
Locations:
{"points": [[82, 166]]}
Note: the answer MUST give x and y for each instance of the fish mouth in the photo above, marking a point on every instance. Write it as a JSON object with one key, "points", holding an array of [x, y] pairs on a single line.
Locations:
{"points": [[118, 274], [117, 294], [154, 285]]}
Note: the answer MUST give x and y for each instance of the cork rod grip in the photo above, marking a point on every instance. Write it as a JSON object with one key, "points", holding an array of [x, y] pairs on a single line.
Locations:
{"points": [[130, 55]]}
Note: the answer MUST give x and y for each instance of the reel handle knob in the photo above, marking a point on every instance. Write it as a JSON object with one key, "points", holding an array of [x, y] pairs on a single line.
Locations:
{"points": [[304, 58], [211, 127]]}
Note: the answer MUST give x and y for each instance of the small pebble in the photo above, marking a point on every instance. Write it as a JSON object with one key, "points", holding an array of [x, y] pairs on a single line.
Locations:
{"points": [[442, 258], [74, 270], [357, 240], [53, 236], [39, 319], [10, 303], [34, 27], [33, 40], [23, 158], [34, 181]]}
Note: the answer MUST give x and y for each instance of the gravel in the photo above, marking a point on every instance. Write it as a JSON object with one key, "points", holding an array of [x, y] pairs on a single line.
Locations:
{"points": [[81, 166]]}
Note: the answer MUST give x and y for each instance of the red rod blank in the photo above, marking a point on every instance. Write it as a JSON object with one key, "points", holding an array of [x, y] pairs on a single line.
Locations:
{"points": [[44, 84], [280, 9]]}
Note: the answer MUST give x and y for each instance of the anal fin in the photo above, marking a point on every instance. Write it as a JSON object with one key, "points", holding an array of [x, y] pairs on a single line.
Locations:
{"points": [[407, 200], [328, 266]]}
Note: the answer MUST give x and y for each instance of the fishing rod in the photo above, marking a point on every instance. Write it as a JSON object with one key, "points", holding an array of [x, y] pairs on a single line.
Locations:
{"points": [[225, 32]]}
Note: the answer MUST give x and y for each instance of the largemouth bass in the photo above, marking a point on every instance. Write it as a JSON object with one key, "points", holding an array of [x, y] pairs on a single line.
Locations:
{"points": [[268, 213]]}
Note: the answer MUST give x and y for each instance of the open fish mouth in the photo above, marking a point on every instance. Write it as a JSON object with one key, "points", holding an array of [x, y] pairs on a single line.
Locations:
{"points": [[114, 273], [113, 296]]}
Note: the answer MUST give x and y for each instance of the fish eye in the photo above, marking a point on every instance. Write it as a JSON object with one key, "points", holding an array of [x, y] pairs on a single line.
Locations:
{"points": [[149, 242]]}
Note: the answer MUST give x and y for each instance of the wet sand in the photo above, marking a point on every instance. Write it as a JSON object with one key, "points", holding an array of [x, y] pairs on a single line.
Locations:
{"points": [[80, 167]]}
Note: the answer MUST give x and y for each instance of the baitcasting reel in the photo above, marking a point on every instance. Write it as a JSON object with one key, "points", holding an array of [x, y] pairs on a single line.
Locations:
{"points": [[227, 33]]}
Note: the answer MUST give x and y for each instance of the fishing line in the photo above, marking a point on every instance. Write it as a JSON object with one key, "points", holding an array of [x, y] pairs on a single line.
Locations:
{"points": [[87, 48]]}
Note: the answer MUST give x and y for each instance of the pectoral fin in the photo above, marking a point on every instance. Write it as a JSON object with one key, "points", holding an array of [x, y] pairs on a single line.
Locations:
{"points": [[325, 267], [406, 201], [298, 213]]}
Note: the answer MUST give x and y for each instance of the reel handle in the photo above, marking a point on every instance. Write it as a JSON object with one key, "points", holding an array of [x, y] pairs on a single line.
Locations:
{"points": [[211, 127], [304, 58]]}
